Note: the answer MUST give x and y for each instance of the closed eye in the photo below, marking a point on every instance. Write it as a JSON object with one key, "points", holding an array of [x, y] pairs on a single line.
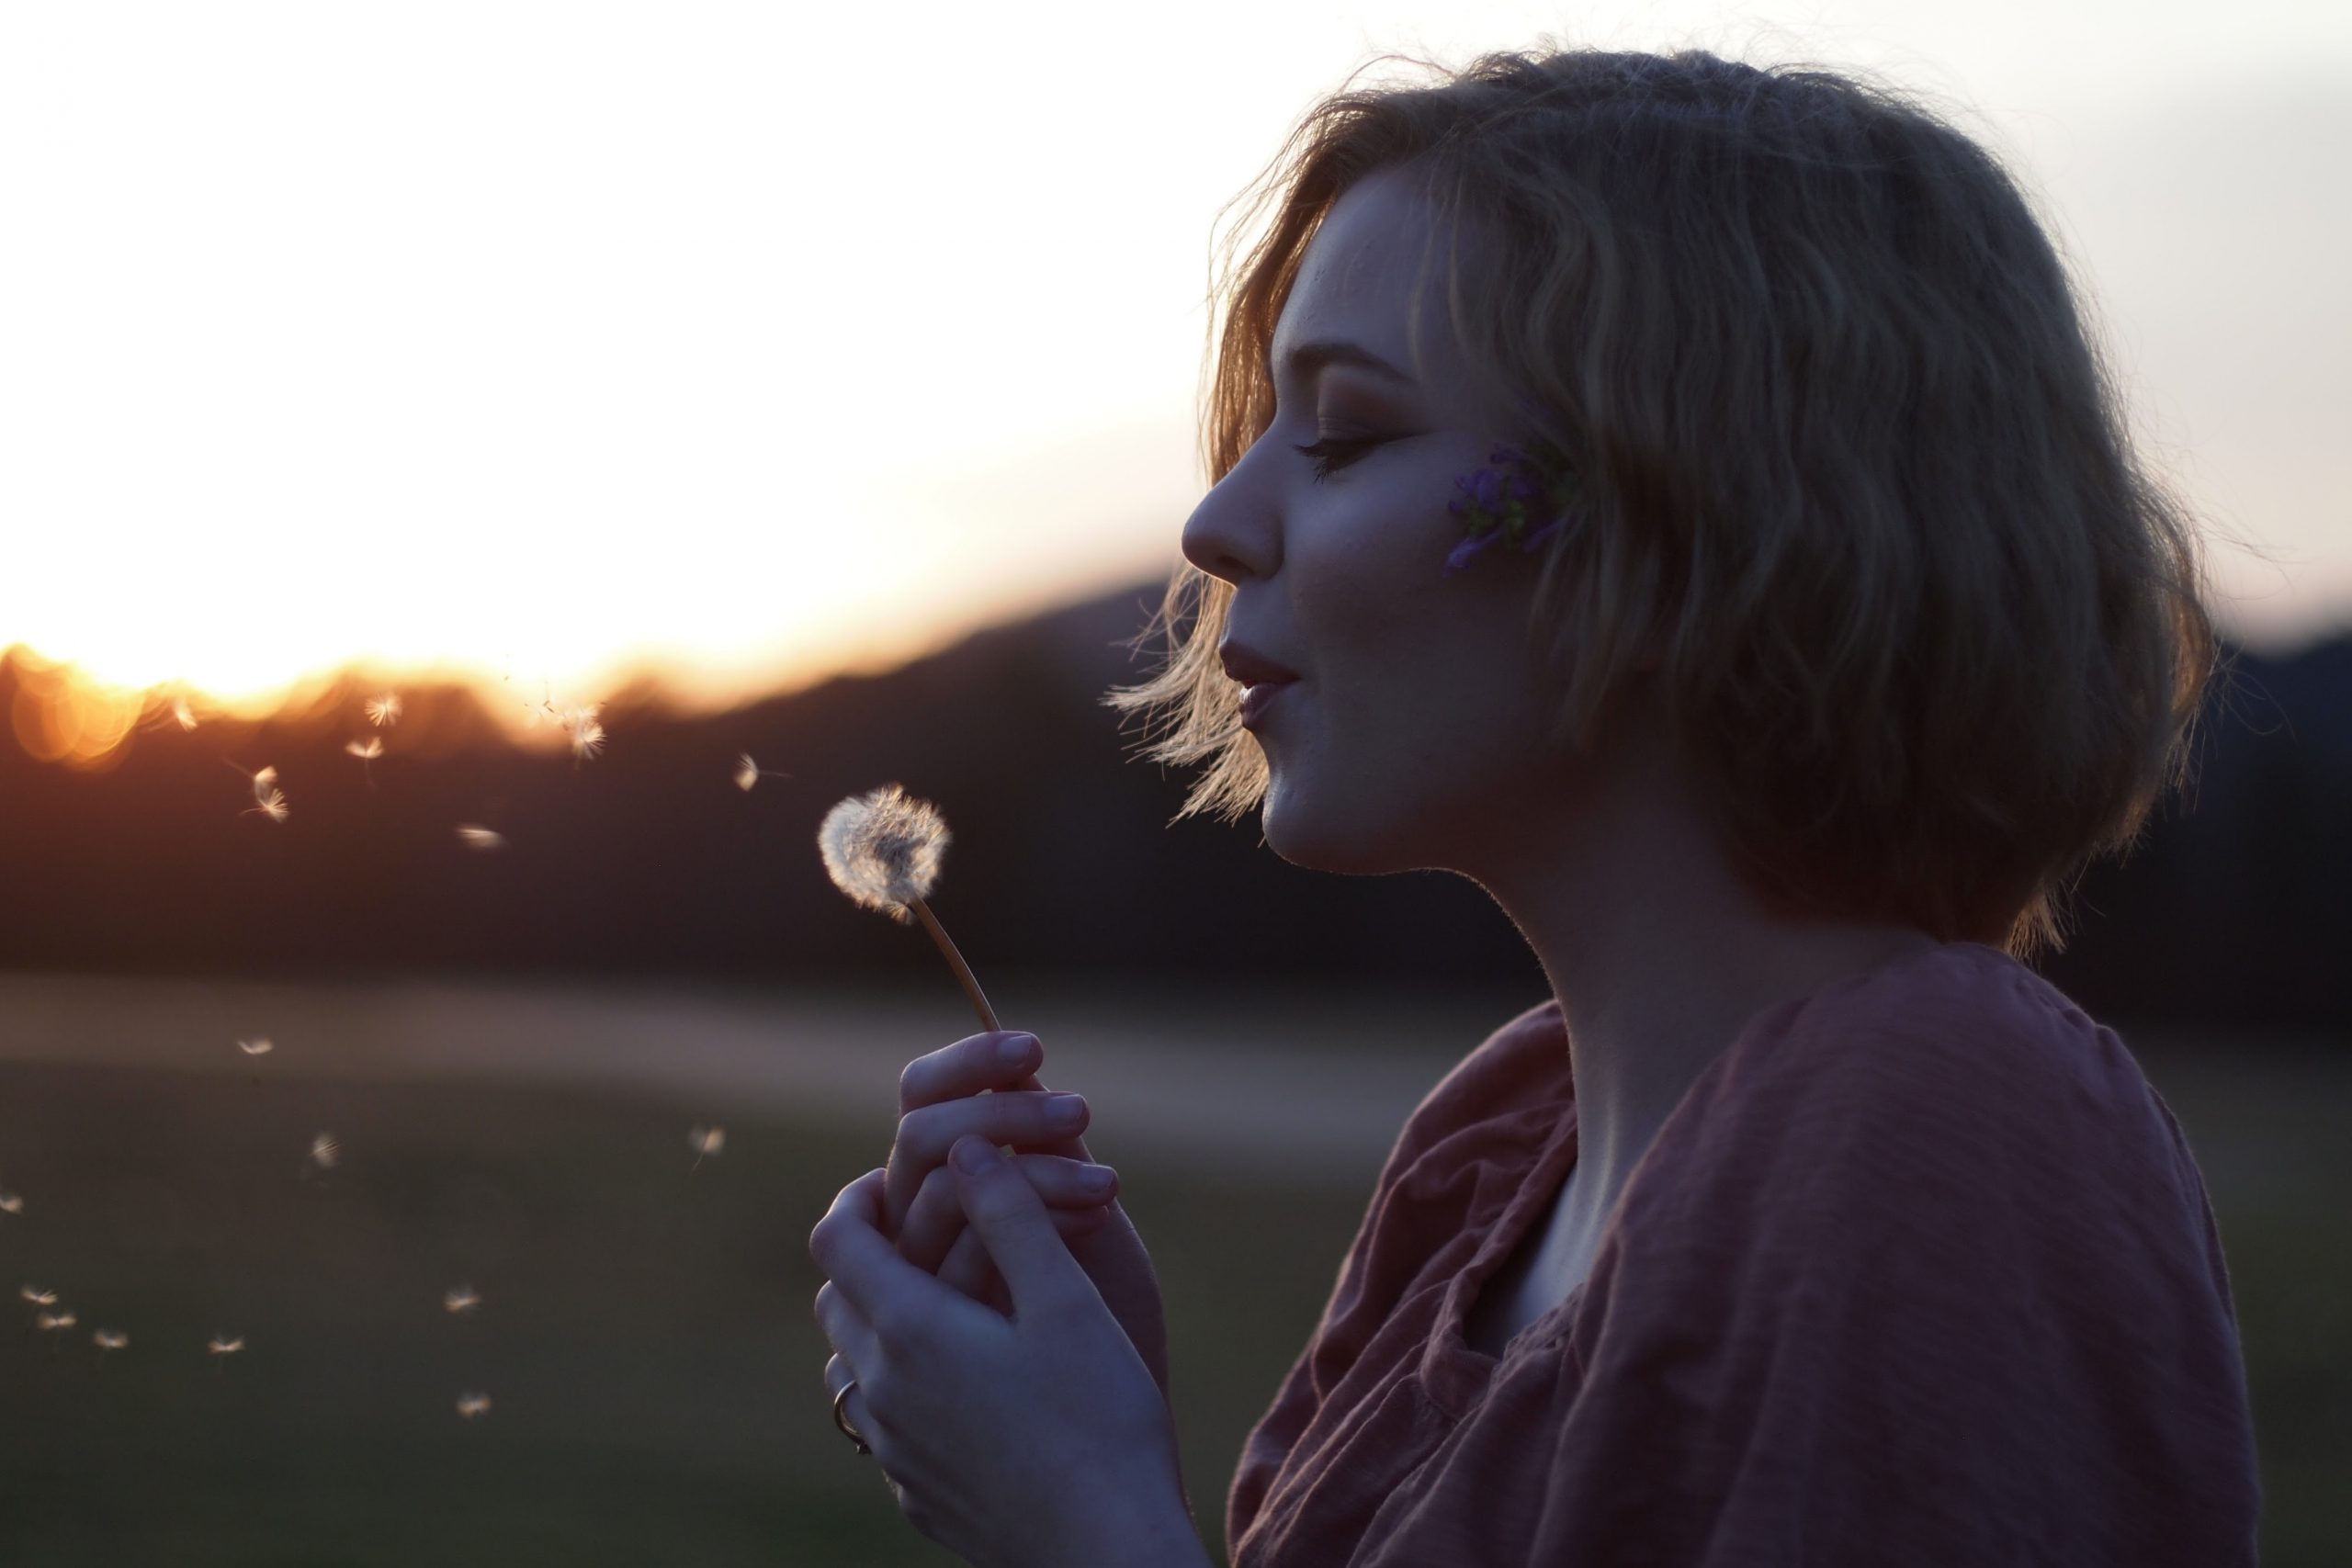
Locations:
{"points": [[1334, 451]]}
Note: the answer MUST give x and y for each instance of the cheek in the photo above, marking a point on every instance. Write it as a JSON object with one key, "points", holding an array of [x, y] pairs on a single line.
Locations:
{"points": [[1379, 573]]}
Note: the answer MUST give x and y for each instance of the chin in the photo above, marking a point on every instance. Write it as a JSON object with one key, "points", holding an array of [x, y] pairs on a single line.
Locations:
{"points": [[1321, 840]]}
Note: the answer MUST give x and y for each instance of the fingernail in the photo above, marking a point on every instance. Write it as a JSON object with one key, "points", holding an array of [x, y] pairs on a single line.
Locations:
{"points": [[1097, 1178], [1015, 1049], [973, 1154], [1064, 1110]]}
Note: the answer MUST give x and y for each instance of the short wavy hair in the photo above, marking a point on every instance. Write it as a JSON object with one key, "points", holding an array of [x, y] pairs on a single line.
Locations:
{"points": [[1852, 470]]}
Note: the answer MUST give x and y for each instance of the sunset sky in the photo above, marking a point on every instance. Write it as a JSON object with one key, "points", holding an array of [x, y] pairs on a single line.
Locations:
{"points": [[743, 343]]}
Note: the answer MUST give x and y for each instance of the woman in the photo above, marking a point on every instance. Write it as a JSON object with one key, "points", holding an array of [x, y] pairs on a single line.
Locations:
{"points": [[1682, 498]]}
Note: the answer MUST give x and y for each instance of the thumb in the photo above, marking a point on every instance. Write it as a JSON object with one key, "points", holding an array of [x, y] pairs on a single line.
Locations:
{"points": [[1013, 1225]]}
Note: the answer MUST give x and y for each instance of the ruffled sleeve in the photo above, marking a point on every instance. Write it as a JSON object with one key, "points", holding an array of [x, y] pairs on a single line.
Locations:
{"points": [[1426, 1187]]}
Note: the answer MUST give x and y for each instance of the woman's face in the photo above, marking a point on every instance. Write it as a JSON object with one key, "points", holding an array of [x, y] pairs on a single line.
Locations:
{"points": [[1414, 736]]}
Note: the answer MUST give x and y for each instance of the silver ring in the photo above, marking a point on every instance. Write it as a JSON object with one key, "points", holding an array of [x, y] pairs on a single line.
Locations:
{"points": [[842, 1421]]}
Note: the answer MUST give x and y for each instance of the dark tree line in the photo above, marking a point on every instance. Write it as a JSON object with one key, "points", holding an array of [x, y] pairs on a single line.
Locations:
{"points": [[2235, 911]]}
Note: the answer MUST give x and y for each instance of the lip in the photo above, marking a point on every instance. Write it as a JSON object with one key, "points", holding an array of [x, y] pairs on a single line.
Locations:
{"points": [[1249, 666], [1254, 700]]}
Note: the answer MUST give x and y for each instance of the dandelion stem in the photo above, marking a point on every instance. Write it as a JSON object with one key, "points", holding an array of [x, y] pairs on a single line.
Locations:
{"points": [[955, 962]]}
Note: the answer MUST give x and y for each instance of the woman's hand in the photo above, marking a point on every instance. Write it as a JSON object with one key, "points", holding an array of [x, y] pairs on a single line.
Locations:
{"points": [[942, 1097], [983, 1083], [1037, 1439]]}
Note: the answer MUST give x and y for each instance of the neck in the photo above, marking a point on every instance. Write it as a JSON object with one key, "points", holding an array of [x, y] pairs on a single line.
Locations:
{"points": [[1657, 955]]}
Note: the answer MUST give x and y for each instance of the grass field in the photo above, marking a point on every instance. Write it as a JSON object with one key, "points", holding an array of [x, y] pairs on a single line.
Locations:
{"points": [[645, 1333]]}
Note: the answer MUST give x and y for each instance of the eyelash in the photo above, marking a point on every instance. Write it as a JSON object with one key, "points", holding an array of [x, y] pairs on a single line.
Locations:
{"points": [[1332, 452]]}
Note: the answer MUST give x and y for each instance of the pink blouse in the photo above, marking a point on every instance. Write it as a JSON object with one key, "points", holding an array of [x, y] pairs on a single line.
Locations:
{"points": [[1919, 1271]]}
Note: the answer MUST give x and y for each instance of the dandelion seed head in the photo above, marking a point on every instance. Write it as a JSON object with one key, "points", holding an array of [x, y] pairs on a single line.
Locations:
{"points": [[184, 714], [707, 1140], [463, 1299], [10, 1204], [368, 750], [109, 1338], [38, 1296], [472, 1405], [883, 849], [257, 1047], [477, 837], [747, 772], [49, 1322], [326, 1151], [222, 1345], [384, 710]]}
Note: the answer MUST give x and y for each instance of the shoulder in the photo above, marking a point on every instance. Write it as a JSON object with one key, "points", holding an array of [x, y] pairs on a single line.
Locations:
{"points": [[1926, 1263], [1954, 1093], [1961, 1043], [1952, 1038]]}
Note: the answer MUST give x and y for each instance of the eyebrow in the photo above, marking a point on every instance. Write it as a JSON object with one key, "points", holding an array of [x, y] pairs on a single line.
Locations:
{"points": [[1308, 359]]}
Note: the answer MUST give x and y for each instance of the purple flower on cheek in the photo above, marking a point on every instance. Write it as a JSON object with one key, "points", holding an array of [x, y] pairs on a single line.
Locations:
{"points": [[1460, 556], [1518, 498]]}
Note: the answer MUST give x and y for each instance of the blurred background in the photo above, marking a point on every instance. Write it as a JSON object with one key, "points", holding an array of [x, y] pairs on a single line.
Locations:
{"points": [[693, 415]]}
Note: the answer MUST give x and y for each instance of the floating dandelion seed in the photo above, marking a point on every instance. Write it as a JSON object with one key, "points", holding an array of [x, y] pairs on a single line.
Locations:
{"points": [[384, 711], [110, 1339], [587, 739], [481, 838], [38, 1296], [748, 773], [472, 1405], [184, 714], [260, 1047], [463, 1299], [51, 1322], [221, 1345], [704, 1141], [366, 751], [326, 1151], [883, 849], [268, 799], [10, 1204]]}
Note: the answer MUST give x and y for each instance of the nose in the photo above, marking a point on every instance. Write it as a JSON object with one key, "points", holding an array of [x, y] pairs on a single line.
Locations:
{"points": [[1233, 533]]}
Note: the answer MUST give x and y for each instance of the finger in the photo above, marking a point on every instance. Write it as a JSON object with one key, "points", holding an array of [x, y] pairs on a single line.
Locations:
{"points": [[977, 1278], [839, 1372], [862, 1263], [1069, 1188], [966, 1265], [933, 1221], [1013, 1223], [1065, 1183], [845, 1330], [1030, 1119], [996, 1059]]}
